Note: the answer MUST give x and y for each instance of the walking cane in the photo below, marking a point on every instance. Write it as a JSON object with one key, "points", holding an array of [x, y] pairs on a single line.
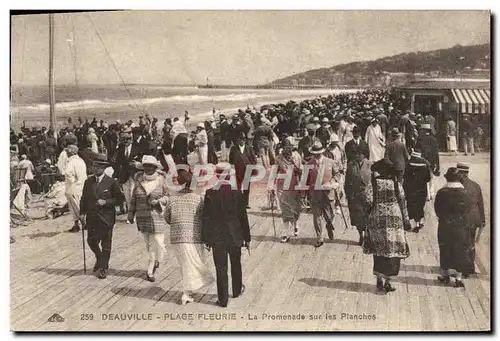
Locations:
{"points": [[341, 211], [83, 246], [272, 211]]}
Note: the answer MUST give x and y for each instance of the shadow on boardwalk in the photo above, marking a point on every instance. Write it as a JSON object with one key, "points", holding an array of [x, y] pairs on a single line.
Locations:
{"points": [[302, 241], [161, 295]]}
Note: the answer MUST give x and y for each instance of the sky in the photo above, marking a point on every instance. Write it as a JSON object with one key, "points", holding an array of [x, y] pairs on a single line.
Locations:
{"points": [[227, 47]]}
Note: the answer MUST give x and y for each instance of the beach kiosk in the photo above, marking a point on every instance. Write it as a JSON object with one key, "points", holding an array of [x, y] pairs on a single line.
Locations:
{"points": [[443, 97]]}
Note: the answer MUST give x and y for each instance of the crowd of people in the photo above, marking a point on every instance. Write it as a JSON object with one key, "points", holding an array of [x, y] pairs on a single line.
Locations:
{"points": [[362, 148]]}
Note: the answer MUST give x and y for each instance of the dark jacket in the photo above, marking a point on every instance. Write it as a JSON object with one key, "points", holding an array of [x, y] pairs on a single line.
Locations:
{"points": [[100, 216], [123, 169], [477, 206], [430, 150], [225, 219], [396, 152], [240, 161], [352, 149]]}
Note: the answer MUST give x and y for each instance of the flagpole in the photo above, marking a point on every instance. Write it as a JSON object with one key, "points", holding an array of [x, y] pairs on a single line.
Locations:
{"points": [[52, 94]]}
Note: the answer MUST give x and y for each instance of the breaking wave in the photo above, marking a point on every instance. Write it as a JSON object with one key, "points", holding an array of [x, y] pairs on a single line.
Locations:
{"points": [[108, 103]]}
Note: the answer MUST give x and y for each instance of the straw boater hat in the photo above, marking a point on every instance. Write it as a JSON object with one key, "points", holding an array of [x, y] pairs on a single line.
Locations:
{"points": [[317, 148], [149, 160], [334, 138], [463, 167], [426, 126]]}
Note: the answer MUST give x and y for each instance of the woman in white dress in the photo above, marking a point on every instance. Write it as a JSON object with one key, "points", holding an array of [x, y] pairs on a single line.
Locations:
{"points": [[183, 213], [375, 140], [92, 139]]}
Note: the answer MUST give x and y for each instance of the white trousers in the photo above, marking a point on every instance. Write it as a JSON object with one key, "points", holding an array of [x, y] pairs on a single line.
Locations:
{"points": [[74, 205], [203, 155], [155, 246], [128, 189]]}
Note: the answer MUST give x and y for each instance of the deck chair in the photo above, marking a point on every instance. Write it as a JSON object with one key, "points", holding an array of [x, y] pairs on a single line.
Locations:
{"points": [[17, 180]]}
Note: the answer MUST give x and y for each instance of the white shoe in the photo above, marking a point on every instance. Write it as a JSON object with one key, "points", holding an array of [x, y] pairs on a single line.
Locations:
{"points": [[186, 299]]}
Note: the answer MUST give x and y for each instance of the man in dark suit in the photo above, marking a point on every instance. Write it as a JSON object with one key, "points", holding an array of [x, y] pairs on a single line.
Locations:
{"points": [[241, 155], [398, 154], [225, 229], [356, 146], [224, 137], [476, 215], [100, 195], [428, 144], [128, 158]]}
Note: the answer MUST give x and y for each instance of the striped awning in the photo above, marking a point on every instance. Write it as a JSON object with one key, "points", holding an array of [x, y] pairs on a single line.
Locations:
{"points": [[472, 101]]}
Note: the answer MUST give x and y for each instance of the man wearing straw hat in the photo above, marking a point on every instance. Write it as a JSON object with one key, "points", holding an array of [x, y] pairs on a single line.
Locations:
{"points": [[428, 144], [398, 154], [75, 174], [100, 195], [322, 186]]}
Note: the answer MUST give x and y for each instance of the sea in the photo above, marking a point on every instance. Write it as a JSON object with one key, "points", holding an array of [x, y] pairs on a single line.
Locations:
{"points": [[30, 104]]}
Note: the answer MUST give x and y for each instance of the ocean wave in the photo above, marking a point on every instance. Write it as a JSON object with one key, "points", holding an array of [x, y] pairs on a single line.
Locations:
{"points": [[107, 103]]}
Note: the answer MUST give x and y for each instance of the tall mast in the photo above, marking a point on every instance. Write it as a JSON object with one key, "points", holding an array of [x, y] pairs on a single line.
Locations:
{"points": [[52, 94]]}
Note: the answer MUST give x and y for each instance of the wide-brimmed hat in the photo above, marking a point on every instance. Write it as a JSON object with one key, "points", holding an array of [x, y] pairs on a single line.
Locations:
{"points": [[317, 148], [312, 126], [100, 159], [286, 143], [383, 167], [325, 120], [334, 138], [452, 175], [200, 125], [395, 132], [149, 160]]}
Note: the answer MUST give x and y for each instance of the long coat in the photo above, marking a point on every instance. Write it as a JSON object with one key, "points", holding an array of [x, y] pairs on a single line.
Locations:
{"points": [[416, 177], [476, 197], [358, 176], [452, 207], [225, 220], [385, 235], [100, 217], [430, 150], [149, 218]]}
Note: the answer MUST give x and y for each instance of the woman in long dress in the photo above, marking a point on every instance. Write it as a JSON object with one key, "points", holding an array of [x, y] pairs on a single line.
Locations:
{"points": [[452, 206], [289, 162], [384, 236], [92, 139], [375, 141], [148, 198], [183, 213]]}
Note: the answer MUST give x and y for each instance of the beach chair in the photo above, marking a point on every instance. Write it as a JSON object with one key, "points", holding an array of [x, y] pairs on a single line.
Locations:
{"points": [[17, 180]]}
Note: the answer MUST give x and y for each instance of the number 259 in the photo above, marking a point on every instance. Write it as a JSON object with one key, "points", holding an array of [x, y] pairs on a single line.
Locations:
{"points": [[86, 317]]}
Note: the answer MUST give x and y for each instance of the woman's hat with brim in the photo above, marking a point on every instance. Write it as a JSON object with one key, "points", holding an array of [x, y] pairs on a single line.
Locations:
{"points": [[286, 143], [317, 148], [384, 166], [452, 175], [200, 125], [149, 160], [395, 132]]}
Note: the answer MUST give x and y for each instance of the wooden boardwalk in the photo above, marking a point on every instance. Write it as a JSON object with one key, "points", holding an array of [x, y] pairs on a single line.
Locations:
{"points": [[328, 289]]}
